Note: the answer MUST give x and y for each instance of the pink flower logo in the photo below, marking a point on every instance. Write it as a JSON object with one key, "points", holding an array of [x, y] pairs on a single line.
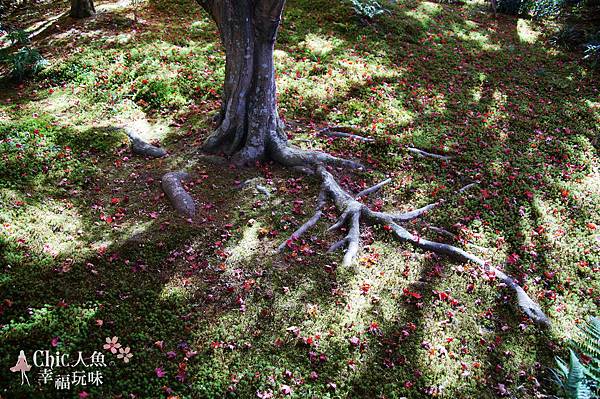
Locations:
{"points": [[112, 344], [125, 354]]}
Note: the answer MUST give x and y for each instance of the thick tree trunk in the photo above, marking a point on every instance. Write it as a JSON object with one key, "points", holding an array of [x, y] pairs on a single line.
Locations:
{"points": [[249, 126], [82, 8]]}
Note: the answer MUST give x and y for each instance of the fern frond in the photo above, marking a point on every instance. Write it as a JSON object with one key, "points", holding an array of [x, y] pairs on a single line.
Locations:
{"points": [[575, 385]]}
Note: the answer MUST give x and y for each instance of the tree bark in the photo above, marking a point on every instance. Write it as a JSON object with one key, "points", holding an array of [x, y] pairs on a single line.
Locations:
{"points": [[249, 127], [82, 8]]}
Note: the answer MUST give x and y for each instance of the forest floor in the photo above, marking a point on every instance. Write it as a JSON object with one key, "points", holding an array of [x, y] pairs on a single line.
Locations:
{"points": [[90, 248]]}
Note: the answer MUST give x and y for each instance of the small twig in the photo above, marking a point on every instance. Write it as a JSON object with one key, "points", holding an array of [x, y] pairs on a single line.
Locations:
{"points": [[426, 154]]}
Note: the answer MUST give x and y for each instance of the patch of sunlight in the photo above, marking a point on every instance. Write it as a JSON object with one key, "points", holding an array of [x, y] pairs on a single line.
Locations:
{"points": [[199, 26], [480, 39], [424, 11], [476, 94], [549, 227], [246, 248], [176, 290], [312, 85], [591, 183], [496, 111], [437, 357], [471, 24], [379, 277], [483, 238], [320, 46], [4, 116], [127, 110], [52, 227], [496, 167], [281, 56], [76, 33], [117, 5], [101, 245], [147, 130], [59, 102], [526, 32], [594, 106], [122, 38]]}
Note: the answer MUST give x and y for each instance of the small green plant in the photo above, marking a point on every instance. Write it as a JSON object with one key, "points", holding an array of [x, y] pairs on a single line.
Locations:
{"points": [[368, 9], [25, 60], [580, 378]]}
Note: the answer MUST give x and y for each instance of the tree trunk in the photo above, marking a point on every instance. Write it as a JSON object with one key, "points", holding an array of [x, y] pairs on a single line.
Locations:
{"points": [[249, 126], [82, 8]]}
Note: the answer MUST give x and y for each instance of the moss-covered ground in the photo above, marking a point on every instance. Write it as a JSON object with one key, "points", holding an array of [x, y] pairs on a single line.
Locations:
{"points": [[90, 248]]}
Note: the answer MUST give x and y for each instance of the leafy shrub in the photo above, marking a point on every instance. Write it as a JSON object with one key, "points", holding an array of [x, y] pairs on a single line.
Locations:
{"points": [[540, 9], [591, 49], [580, 379], [592, 53], [26, 60], [568, 37], [367, 9], [546, 8], [510, 7]]}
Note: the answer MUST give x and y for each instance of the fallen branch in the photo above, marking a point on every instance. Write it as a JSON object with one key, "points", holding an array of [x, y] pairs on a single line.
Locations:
{"points": [[180, 199]]}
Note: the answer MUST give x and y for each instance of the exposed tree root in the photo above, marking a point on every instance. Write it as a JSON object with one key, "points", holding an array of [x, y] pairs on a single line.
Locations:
{"points": [[172, 186], [426, 154], [140, 147], [287, 155], [353, 211], [334, 133]]}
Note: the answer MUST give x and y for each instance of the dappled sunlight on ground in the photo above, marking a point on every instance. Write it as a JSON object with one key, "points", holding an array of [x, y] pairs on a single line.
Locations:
{"points": [[96, 250]]}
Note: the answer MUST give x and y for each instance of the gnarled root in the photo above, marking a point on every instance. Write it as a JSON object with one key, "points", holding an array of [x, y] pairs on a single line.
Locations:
{"points": [[182, 201], [353, 211]]}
